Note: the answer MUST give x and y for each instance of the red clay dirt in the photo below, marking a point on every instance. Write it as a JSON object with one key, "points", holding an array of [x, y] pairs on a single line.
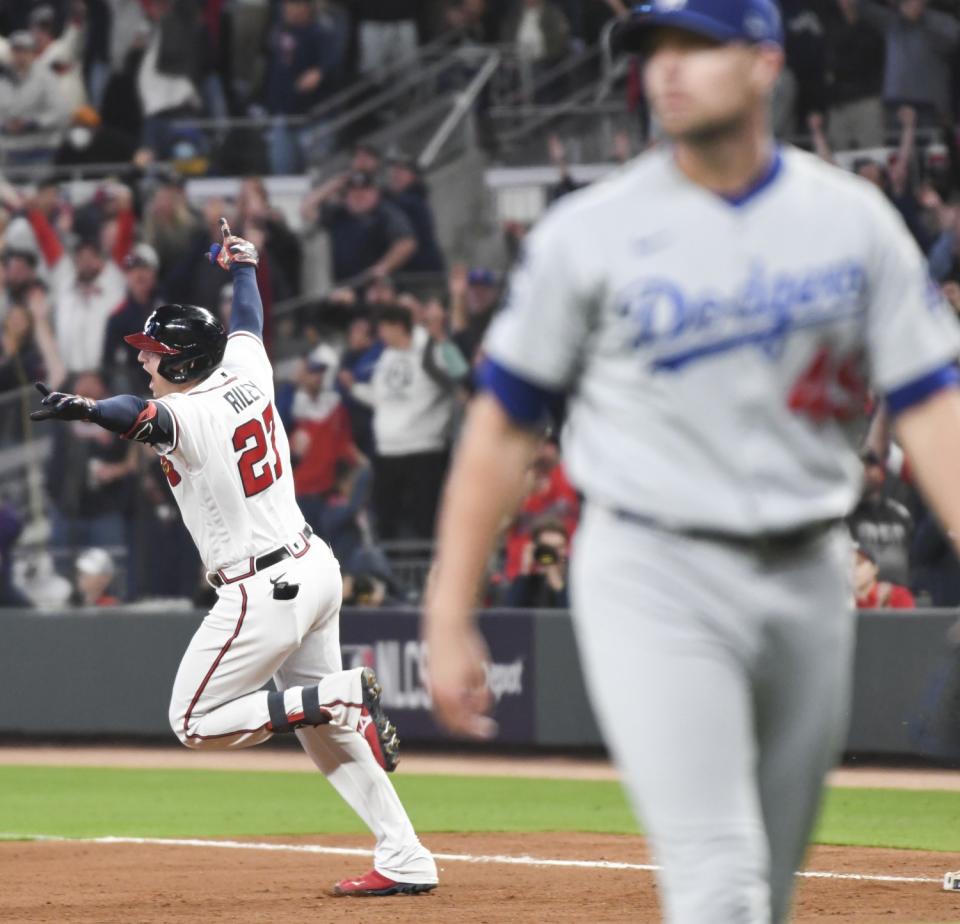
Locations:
{"points": [[56, 883]]}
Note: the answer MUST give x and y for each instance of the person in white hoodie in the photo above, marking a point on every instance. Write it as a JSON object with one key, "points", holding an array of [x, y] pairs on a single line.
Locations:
{"points": [[61, 55], [413, 397]]}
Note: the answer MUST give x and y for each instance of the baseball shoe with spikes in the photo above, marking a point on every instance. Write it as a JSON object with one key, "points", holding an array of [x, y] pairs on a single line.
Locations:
{"points": [[372, 884], [380, 732]]}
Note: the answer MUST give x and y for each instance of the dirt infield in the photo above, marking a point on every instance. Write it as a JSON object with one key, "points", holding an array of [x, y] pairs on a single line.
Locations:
{"points": [[61, 882], [94, 883]]}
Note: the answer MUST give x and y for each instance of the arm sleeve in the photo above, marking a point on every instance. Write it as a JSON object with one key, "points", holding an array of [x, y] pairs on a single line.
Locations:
{"points": [[940, 256], [47, 239], [912, 336], [397, 224], [126, 221], [136, 419], [247, 311]]}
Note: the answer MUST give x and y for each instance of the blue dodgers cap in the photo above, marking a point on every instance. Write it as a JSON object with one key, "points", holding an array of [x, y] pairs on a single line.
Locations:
{"points": [[752, 21]]}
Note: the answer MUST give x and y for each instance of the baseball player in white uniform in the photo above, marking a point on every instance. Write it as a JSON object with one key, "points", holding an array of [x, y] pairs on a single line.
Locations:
{"points": [[225, 454], [712, 313]]}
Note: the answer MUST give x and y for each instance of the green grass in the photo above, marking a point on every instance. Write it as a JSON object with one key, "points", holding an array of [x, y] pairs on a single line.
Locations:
{"points": [[91, 801]]}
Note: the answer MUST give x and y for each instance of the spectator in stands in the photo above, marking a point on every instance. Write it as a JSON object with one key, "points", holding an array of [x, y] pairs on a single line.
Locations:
{"points": [[28, 351], [934, 566], [321, 434], [95, 572], [359, 359], [803, 77], [299, 58], [87, 287], [380, 291], [854, 62], [365, 158], [20, 273], [407, 190], [474, 295], [539, 31], [61, 56], [549, 496], [873, 594], [89, 479], [368, 237], [469, 20], [542, 580], [920, 43], [32, 113], [364, 590], [281, 247], [386, 34], [11, 525], [450, 364], [344, 525], [120, 365], [170, 225], [881, 525], [944, 255], [413, 406], [170, 72]]}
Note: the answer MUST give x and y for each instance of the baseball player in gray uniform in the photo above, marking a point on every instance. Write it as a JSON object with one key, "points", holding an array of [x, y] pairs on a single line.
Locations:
{"points": [[713, 313]]}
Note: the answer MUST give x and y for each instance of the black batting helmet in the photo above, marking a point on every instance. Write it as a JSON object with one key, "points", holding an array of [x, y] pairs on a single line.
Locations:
{"points": [[190, 339]]}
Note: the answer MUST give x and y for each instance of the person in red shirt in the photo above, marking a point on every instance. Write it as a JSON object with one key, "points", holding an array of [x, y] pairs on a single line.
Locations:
{"points": [[549, 495], [873, 594], [321, 434]]}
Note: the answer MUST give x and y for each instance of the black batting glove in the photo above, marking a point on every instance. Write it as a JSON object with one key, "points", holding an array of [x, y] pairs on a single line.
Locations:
{"points": [[59, 405]]}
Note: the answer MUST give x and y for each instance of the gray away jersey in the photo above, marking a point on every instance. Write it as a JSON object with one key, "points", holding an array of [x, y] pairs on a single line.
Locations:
{"points": [[717, 355]]}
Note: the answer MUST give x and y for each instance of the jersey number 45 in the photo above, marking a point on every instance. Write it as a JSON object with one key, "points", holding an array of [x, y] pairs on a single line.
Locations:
{"points": [[830, 388], [257, 474]]}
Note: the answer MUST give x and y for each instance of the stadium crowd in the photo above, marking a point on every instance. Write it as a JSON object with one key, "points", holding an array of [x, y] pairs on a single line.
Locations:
{"points": [[384, 361]]}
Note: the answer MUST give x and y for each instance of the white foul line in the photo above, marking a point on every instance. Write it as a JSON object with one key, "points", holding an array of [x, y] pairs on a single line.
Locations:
{"points": [[442, 857]]}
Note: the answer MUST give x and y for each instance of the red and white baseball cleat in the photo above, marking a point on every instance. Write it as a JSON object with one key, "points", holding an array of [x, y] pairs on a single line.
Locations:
{"points": [[372, 884], [380, 732]]}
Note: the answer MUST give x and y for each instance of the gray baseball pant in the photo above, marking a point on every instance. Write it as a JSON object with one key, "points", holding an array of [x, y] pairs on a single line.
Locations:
{"points": [[720, 679]]}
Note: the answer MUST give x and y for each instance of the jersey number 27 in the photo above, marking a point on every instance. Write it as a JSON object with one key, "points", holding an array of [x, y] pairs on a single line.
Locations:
{"points": [[252, 457]]}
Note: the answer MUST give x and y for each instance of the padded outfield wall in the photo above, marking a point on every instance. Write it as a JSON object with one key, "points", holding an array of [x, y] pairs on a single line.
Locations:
{"points": [[109, 673]]}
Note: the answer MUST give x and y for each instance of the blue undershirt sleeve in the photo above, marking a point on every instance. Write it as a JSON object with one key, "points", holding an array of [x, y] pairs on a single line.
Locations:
{"points": [[135, 419], [920, 389], [525, 403], [247, 311]]}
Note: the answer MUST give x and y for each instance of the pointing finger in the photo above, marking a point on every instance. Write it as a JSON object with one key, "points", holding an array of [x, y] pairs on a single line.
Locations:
{"points": [[42, 388]]}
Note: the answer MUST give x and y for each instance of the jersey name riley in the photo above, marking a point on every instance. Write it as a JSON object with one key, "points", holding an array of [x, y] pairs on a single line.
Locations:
{"points": [[242, 396]]}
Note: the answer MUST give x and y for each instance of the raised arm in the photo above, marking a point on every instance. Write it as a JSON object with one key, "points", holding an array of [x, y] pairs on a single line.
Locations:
{"points": [[247, 311], [240, 258]]}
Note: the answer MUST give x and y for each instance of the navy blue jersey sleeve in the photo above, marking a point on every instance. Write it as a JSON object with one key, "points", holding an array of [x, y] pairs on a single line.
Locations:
{"points": [[247, 311], [135, 419]]}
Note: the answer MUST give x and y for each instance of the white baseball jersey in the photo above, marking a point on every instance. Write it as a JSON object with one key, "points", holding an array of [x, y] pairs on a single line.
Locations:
{"points": [[229, 463], [716, 351]]}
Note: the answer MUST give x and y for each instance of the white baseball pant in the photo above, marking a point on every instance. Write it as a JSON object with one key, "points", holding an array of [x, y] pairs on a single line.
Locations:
{"points": [[249, 637]]}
